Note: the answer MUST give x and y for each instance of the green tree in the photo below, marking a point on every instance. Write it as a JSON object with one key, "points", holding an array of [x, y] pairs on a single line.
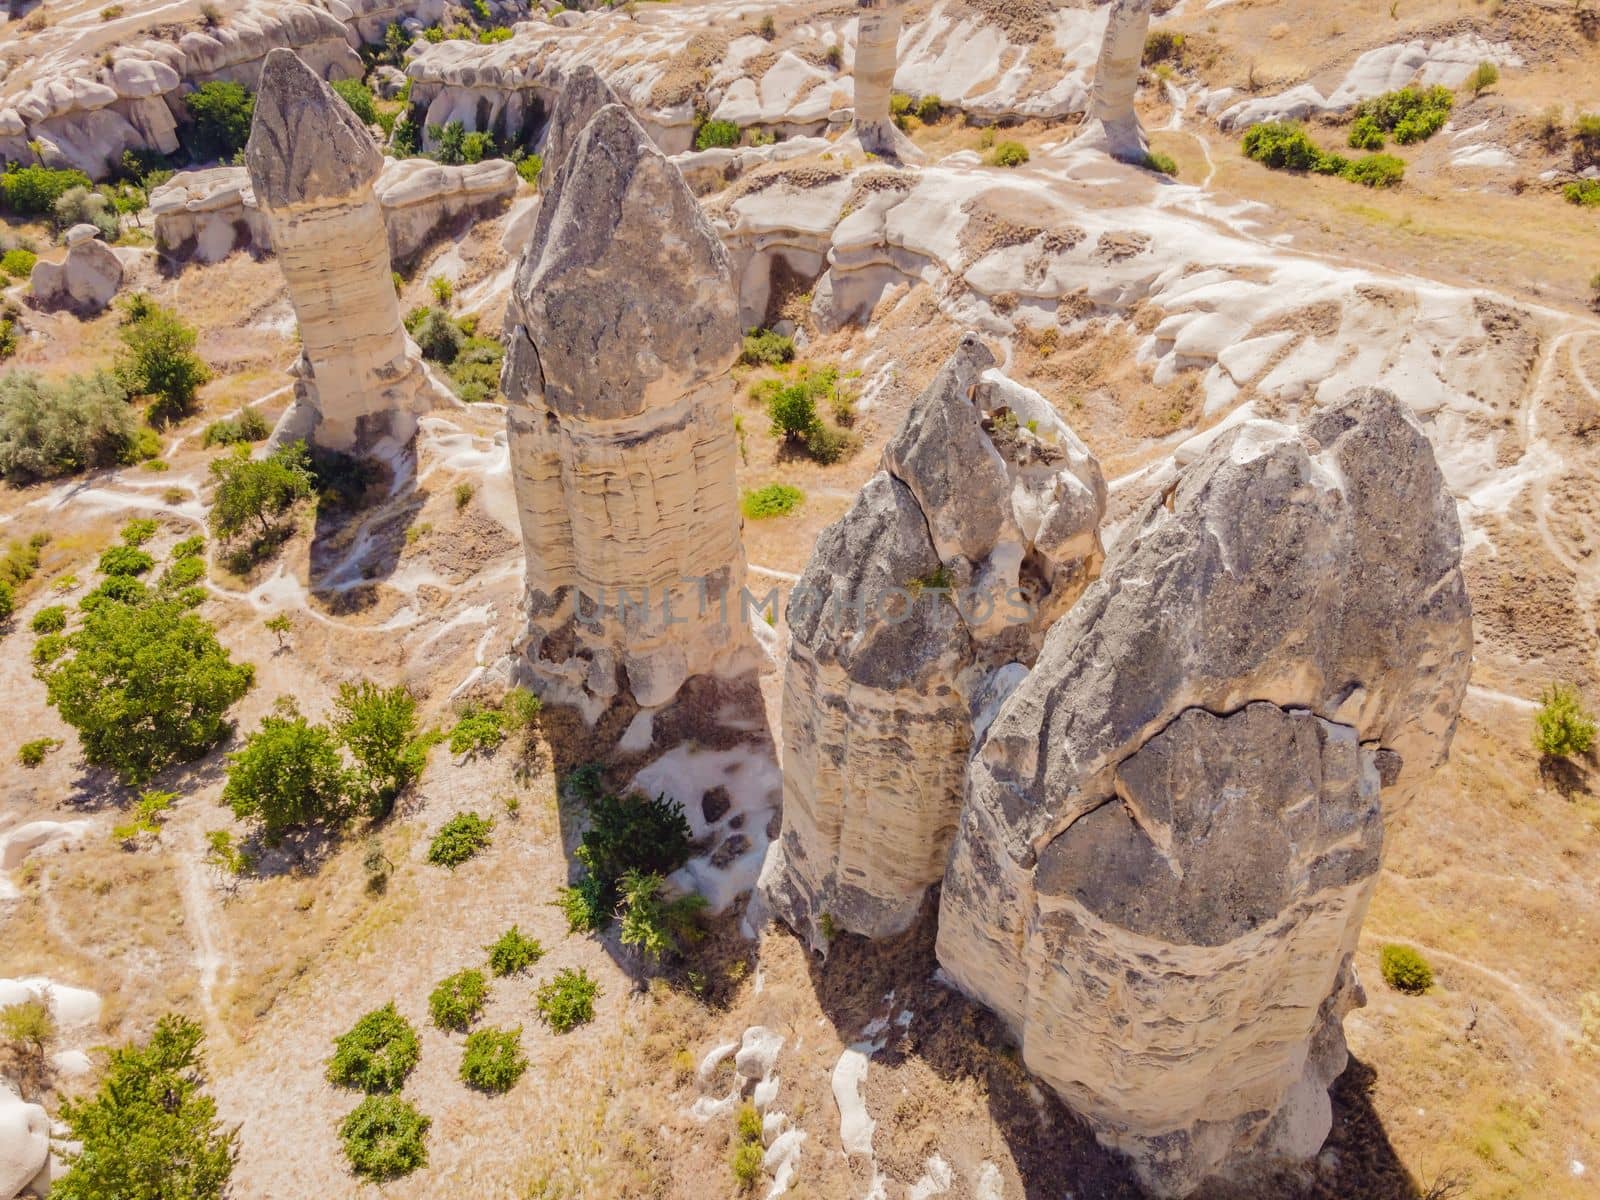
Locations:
{"points": [[219, 115], [287, 774], [655, 926], [377, 1054], [258, 491], [359, 97], [379, 728], [158, 360], [147, 685], [151, 1131], [451, 137], [49, 429], [33, 191]]}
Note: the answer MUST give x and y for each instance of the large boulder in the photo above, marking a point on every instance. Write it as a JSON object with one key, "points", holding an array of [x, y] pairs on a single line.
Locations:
{"points": [[1173, 825], [86, 281], [943, 575], [24, 1142]]}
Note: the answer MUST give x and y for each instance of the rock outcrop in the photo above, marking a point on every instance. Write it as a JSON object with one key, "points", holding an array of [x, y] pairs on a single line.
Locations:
{"points": [[1112, 125], [622, 326], [86, 281], [312, 167], [980, 529], [583, 95], [24, 1144], [877, 55], [1173, 826]]}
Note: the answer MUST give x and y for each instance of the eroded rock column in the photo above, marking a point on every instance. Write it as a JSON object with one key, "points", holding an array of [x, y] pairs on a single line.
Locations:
{"points": [[877, 56], [312, 166], [980, 528], [1112, 124], [622, 326], [1173, 827]]}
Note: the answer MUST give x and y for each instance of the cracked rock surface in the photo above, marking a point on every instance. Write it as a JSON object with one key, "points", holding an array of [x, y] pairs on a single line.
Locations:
{"points": [[1173, 825]]}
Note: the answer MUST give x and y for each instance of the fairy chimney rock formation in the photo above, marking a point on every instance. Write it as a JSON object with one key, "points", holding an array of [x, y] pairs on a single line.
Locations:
{"points": [[1173, 826], [980, 528], [1112, 125], [877, 56], [312, 165], [582, 96], [622, 327]]}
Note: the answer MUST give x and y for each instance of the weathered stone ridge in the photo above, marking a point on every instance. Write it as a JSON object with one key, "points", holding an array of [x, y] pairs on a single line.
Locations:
{"points": [[312, 166], [942, 573], [621, 330], [1173, 826]]}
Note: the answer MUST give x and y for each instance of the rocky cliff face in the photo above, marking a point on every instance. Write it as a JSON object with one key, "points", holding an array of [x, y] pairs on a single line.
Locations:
{"points": [[1112, 124], [621, 330], [1173, 826], [981, 527], [312, 167]]}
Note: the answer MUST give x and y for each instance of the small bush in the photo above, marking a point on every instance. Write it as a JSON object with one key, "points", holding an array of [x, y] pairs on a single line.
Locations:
{"points": [[530, 167], [634, 833], [1411, 114], [438, 337], [33, 191], [464, 493], [1162, 45], [584, 904], [774, 500], [458, 999], [157, 360], [1404, 969], [763, 348], [18, 263], [746, 1163], [1585, 192], [48, 649], [567, 1001], [1164, 163], [1008, 154], [713, 135], [219, 115], [248, 426], [1484, 76], [8, 602], [493, 1060], [513, 952], [377, 1054], [1375, 171], [479, 731], [288, 774], [1366, 134], [139, 531], [459, 839], [1281, 145], [50, 428], [359, 97], [52, 619], [655, 926], [117, 589], [125, 560], [31, 754], [1562, 727], [385, 1138]]}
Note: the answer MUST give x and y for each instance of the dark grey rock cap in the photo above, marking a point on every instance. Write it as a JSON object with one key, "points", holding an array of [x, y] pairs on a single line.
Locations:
{"points": [[305, 143]]}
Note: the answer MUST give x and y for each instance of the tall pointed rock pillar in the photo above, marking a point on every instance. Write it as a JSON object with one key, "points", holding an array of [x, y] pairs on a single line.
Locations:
{"points": [[622, 326], [877, 56], [1113, 125], [312, 165]]}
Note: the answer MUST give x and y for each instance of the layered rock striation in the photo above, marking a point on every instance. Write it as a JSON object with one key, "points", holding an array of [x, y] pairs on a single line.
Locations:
{"points": [[1112, 124], [622, 326], [980, 528], [1173, 826], [312, 168]]}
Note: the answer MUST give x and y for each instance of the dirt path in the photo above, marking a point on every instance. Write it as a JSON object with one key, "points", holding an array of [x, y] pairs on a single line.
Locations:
{"points": [[199, 919]]}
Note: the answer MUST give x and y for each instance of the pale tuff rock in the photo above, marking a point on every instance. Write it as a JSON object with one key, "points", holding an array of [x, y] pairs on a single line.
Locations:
{"points": [[621, 330], [943, 572], [877, 54], [1112, 124], [86, 281], [24, 1145], [1173, 826], [204, 216], [312, 168]]}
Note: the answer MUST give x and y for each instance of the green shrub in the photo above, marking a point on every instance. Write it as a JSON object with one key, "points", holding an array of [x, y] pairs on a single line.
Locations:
{"points": [[530, 167], [1411, 114], [763, 348], [479, 731], [18, 263], [713, 135], [1484, 76], [567, 1001], [219, 116], [248, 426], [31, 754], [150, 1130], [385, 1138], [1562, 727], [585, 906], [1164, 163], [147, 685], [1404, 969], [256, 493], [377, 1054], [1008, 154], [157, 360], [634, 833], [51, 619], [1162, 45], [116, 589], [1366, 134], [477, 146], [929, 109], [125, 560], [1281, 145], [379, 728], [48, 649], [139, 531], [458, 999], [459, 839], [774, 500], [655, 926], [149, 813], [183, 573], [493, 1060], [1585, 192], [33, 191], [288, 774], [9, 338], [1375, 171], [513, 952], [359, 97], [48, 429], [438, 337], [746, 1162], [8, 602], [80, 206]]}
